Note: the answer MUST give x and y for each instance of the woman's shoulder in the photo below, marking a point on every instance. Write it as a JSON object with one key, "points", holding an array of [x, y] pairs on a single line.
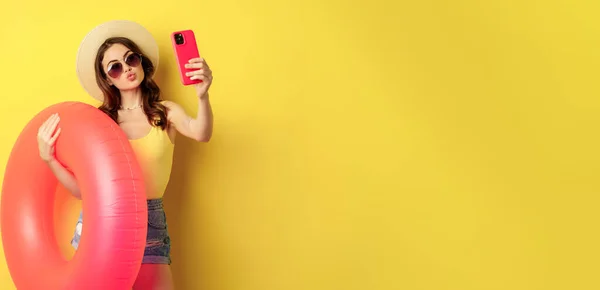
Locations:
{"points": [[170, 104], [173, 108]]}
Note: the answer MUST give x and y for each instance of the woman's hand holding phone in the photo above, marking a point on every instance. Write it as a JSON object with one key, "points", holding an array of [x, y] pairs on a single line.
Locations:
{"points": [[199, 71]]}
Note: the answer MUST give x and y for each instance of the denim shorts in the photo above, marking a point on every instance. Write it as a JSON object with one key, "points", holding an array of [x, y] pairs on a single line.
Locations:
{"points": [[158, 242]]}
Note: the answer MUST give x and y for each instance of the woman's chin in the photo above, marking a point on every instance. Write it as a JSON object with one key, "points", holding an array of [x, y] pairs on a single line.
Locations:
{"points": [[130, 86]]}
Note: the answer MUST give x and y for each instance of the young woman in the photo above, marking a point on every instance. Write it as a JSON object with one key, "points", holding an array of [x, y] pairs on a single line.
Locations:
{"points": [[118, 71]]}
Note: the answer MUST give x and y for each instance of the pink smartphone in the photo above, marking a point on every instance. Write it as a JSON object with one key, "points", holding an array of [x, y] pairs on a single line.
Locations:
{"points": [[184, 44]]}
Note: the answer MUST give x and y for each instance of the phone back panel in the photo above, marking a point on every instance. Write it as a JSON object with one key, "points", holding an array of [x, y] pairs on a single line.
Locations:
{"points": [[184, 52]]}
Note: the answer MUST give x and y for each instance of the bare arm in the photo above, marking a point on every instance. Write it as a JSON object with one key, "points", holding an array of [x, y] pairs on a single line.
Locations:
{"points": [[47, 135], [199, 128], [202, 125], [65, 177]]}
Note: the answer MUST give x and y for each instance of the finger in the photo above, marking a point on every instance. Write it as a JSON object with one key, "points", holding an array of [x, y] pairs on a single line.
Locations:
{"points": [[45, 128], [204, 76], [195, 72], [41, 130], [52, 125], [49, 120], [53, 139], [196, 59], [198, 77], [205, 72], [195, 65]]}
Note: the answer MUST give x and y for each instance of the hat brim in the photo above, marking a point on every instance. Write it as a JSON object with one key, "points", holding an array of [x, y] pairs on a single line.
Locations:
{"points": [[88, 49]]}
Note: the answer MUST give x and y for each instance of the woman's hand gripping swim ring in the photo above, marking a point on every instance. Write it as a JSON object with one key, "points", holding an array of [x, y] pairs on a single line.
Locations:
{"points": [[46, 137]]}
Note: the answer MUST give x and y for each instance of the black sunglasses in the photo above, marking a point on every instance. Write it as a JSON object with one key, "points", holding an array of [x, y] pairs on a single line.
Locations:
{"points": [[116, 68]]}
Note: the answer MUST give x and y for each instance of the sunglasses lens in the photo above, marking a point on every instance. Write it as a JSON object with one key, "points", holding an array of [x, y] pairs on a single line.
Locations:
{"points": [[133, 60], [115, 70]]}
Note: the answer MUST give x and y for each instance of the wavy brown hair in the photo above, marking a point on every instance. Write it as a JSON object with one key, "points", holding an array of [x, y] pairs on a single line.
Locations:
{"points": [[154, 110]]}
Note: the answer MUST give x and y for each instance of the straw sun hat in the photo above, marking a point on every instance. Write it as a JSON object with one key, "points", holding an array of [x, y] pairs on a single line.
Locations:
{"points": [[94, 39]]}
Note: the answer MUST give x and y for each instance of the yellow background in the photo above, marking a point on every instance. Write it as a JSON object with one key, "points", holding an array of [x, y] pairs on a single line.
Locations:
{"points": [[400, 145]]}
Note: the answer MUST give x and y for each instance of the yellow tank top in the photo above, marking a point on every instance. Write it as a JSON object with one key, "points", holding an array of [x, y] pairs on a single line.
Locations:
{"points": [[154, 153]]}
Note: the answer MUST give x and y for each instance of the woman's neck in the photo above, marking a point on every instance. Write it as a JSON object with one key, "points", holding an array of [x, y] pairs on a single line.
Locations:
{"points": [[131, 98]]}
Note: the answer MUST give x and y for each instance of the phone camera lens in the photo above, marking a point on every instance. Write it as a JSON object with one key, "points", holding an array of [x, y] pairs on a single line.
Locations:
{"points": [[179, 38]]}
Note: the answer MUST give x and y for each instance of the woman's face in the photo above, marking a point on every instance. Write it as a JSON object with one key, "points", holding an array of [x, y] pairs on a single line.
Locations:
{"points": [[123, 67]]}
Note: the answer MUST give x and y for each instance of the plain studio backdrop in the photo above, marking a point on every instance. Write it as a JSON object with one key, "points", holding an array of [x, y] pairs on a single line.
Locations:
{"points": [[429, 145]]}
